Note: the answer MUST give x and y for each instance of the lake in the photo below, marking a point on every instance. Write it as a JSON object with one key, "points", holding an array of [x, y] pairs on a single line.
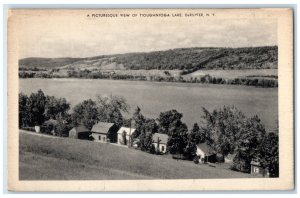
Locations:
{"points": [[155, 97]]}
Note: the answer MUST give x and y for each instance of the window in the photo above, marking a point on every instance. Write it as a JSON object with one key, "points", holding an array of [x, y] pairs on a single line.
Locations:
{"points": [[99, 137], [256, 170], [103, 139], [162, 148]]}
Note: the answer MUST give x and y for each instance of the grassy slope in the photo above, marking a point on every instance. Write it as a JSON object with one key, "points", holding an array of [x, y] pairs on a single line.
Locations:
{"points": [[63, 158], [187, 58]]}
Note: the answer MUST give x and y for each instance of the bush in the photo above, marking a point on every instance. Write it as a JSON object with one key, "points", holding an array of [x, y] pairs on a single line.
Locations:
{"points": [[152, 149], [196, 159]]}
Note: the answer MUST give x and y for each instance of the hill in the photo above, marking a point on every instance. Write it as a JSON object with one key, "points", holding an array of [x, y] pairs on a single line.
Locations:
{"points": [[186, 59], [52, 158]]}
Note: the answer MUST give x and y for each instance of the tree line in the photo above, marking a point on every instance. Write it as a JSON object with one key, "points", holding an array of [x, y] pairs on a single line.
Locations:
{"points": [[260, 81], [227, 129]]}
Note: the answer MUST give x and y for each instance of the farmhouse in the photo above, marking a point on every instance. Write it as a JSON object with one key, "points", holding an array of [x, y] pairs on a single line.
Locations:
{"points": [[257, 170], [124, 136], [104, 132], [160, 142], [79, 132], [206, 153]]}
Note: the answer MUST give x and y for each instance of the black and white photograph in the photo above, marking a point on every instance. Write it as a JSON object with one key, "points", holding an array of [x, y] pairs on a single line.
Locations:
{"points": [[152, 94]]}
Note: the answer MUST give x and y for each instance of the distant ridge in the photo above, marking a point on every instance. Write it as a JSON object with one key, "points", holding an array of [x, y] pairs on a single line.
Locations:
{"points": [[186, 59]]}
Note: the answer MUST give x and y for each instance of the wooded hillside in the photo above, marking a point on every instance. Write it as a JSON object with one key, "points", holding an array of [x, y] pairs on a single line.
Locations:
{"points": [[186, 59]]}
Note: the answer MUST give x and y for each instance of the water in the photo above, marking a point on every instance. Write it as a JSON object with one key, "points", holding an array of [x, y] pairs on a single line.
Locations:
{"points": [[156, 97]]}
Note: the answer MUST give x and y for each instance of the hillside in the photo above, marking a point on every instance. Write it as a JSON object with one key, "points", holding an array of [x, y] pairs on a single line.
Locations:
{"points": [[53, 158], [186, 59]]}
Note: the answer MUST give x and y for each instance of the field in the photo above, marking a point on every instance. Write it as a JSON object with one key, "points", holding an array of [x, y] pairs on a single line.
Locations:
{"points": [[155, 97], [232, 74], [52, 158]]}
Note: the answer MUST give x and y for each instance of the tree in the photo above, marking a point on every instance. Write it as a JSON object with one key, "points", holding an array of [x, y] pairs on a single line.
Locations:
{"points": [[146, 141], [56, 106], [35, 108], [148, 128], [85, 113], [166, 119], [62, 127], [111, 109], [197, 135], [268, 154], [139, 120], [177, 141], [23, 114], [222, 128], [251, 135]]}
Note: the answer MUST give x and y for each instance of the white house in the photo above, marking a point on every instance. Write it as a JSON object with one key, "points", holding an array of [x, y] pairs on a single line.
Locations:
{"points": [[160, 142], [125, 132], [206, 153]]}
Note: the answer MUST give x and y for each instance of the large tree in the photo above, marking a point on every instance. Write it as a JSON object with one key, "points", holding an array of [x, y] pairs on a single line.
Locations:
{"points": [[251, 134], [24, 119], [35, 108], [38, 107], [177, 141], [166, 119], [268, 154], [197, 134], [139, 121], [85, 113], [222, 128], [147, 129], [111, 109], [56, 106]]}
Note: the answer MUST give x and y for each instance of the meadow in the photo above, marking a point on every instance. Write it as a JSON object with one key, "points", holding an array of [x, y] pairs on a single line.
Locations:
{"points": [[53, 158], [155, 97], [232, 74]]}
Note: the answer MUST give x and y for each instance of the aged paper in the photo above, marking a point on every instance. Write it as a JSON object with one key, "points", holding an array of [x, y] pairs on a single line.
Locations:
{"points": [[81, 33]]}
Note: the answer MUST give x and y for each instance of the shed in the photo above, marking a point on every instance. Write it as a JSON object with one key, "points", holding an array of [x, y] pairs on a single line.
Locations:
{"points": [[104, 132], [206, 153], [258, 170], [160, 141], [128, 132], [79, 132]]}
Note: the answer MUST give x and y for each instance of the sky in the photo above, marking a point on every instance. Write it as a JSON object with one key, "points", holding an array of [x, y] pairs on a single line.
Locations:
{"points": [[80, 36]]}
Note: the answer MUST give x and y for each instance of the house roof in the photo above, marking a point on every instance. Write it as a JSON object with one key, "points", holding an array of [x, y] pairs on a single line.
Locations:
{"points": [[160, 136], [127, 130], [80, 129], [208, 150], [102, 127]]}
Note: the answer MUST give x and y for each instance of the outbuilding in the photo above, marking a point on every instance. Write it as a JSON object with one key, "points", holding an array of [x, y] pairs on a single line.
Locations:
{"points": [[206, 153], [80, 132], [124, 136], [258, 170], [160, 142], [104, 132]]}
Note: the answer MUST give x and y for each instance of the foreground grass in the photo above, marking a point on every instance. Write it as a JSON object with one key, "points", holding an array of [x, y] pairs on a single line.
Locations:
{"points": [[44, 158]]}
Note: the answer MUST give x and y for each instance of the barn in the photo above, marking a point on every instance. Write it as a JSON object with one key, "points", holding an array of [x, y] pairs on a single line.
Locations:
{"points": [[206, 153], [160, 142], [104, 132], [125, 132], [80, 132]]}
